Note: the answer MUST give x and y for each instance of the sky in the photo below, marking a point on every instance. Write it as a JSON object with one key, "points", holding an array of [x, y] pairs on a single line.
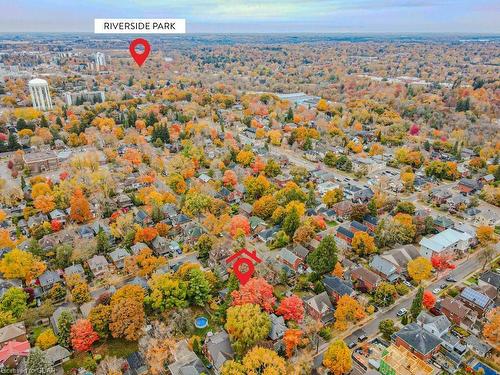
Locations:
{"points": [[252, 16]]}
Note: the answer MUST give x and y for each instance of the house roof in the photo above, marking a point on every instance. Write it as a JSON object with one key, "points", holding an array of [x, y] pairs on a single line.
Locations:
{"points": [[382, 265], [357, 225], [440, 322], [118, 254], [278, 327], [288, 256], [476, 297], [97, 261], [300, 251], [57, 353], [334, 284], [48, 278], [366, 275], [418, 338], [444, 240], [219, 347], [321, 303], [492, 278], [74, 268], [14, 348], [346, 232], [455, 306], [12, 331]]}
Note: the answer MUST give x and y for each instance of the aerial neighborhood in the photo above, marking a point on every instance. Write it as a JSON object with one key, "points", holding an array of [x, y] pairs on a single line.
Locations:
{"points": [[366, 211]]}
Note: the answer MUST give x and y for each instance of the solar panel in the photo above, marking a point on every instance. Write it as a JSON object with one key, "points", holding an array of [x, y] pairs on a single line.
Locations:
{"points": [[476, 297]]}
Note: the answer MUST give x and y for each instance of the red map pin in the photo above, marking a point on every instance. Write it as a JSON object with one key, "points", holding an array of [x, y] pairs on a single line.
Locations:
{"points": [[242, 275], [139, 57]]}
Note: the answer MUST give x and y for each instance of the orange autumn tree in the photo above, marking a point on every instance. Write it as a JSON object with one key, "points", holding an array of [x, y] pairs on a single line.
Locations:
{"points": [[143, 263], [147, 234], [491, 330], [292, 339], [229, 178], [239, 226], [429, 300], [348, 310], [44, 203], [83, 335], [338, 270], [80, 207], [256, 291], [292, 308]]}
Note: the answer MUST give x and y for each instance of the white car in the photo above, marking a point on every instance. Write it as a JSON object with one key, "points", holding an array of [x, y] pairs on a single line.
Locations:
{"points": [[436, 290], [402, 312]]}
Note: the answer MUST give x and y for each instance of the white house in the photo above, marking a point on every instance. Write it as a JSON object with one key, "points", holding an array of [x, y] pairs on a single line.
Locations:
{"points": [[445, 243]]}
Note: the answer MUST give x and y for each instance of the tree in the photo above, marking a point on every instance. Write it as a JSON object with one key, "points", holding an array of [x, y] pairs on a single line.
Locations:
{"points": [[6, 318], [363, 243], [230, 179], [44, 203], [147, 234], [198, 288], [100, 317], [486, 255], [272, 168], [405, 207], [18, 264], [204, 245], [246, 326], [419, 269], [385, 294], [441, 262], [265, 206], [80, 294], [15, 301], [324, 257], [144, 263], [167, 292], [291, 339], [491, 330], [80, 207], [38, 363], [64, 324], [102, 242], [486, 235], [291, 222], [332, 197], [337, 358], [83, 335], [256, 291], [127, 312], [304, 233], [257, 361], [292, 308], [338, 270], [46, 339], [387, 328], [428, 299], [348, 310], [416, 305], [240, 226], [358, 212]]}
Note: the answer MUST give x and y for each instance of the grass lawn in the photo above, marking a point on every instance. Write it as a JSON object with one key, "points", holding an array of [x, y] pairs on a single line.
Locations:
{"points": [[37, 330], [332, 223], [76, 361], [116, 348]]}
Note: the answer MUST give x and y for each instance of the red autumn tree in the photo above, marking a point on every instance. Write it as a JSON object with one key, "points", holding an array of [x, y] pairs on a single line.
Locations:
{"points": [[258, 165], [239, 226], [55, 225], [63, 175], [256, 291], [83, 335], [80, 208], [429, 300], [292, 308], [442, 262], [229, 178]]}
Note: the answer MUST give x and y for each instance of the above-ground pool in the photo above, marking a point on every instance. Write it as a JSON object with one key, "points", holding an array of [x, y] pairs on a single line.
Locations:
{"points": [[487, 370], [201, 322]]}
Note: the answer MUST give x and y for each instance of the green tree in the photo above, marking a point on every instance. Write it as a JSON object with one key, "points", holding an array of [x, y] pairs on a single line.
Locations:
{"points": [[385, 294], [102, 242], [198, 288], [324, 257], [330, 159], [38, 363], [387, 328], [291, 222], [416, 305], [246, 326], [64, 327], [15, 301], [272, 168], [204, 245]]}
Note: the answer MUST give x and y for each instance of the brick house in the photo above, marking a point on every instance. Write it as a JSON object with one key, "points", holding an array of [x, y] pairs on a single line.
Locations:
{"points": [[476, 300], [337, 288], [320, 307], [365, 279], [345, 234], [291, 260], [12, 332], [457, 312], [418, 341]]}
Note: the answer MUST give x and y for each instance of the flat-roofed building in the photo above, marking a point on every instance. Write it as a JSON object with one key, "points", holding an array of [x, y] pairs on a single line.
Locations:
{"points": [[38, 162]]}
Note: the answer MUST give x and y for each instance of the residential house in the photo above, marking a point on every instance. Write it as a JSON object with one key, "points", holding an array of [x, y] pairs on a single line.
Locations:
{"points": [[401, 256], [384, 268], [356, 226], [476, 300], [160, 245], [278, 327], [345, 235], [320, 307], [469, 186], [142, 218], [48, 279], [245, 209], [217, 348], [58, 215], [136, 364], [124, 201], [118, 257], [41, 161], [336, 288], [457, 312], [57, 355], [437, 325], [447, 242], [478, 346], [12, 353], [397, 360], [268, 235], [490, 278], [300, 251], [370, 222], [417, 340], [98, 265], [12, 332], [54, 319], [442, 223], [291, 260], [136, 248], [342, 209], [439, 195], [365, 279], [74, 269], [186, 362]]}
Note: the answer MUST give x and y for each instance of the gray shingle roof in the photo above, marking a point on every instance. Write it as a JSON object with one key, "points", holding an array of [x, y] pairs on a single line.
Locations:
{"points": [[382, 266], [419, 339]]}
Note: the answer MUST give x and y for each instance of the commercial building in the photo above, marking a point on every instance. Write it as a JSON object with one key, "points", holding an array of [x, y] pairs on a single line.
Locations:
{"points": [[42, 161], [78, 98], [446, 242]]}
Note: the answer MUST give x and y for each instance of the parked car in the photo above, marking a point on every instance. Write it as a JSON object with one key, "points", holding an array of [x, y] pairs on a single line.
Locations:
{"points": [[436, 290], [407, 283], [443, 286], [402, 312], [451, 279]]}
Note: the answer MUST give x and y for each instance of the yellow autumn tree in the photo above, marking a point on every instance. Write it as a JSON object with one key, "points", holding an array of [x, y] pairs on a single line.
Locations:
{"points": [[19, 264], [419, 269], [337, 358]]}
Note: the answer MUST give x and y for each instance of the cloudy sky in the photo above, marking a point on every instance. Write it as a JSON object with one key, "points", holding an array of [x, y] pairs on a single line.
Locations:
{"points": [[361, 16]]}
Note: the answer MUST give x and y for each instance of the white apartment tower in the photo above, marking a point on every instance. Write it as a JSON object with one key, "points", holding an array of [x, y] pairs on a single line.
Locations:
{"points": [[100, 60], [40, 95]]}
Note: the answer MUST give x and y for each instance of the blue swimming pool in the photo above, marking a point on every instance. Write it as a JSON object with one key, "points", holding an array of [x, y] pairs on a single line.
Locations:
{"points": [[487, 370], [201, 322]]}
